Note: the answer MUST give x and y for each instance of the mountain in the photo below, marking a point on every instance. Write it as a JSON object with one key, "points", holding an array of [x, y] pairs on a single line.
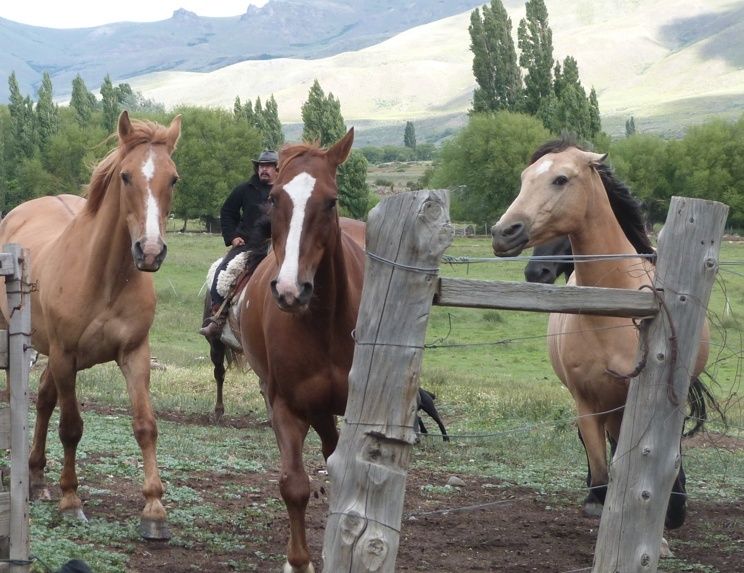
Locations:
{"points": [[668, 63], [280, 28]]}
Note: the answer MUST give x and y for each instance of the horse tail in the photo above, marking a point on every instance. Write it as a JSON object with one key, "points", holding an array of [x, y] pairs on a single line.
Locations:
{"points": [[700, 400]]}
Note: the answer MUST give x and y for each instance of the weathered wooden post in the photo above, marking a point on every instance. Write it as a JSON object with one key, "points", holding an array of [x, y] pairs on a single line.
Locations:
{"points": [[648, 453], [14, 264], [406, 236]]}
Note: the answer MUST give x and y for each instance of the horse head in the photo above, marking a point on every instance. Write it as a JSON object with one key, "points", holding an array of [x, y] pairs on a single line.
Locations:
{"points": [[304, 219], [547, 272], [147, 176], [553, 201]]}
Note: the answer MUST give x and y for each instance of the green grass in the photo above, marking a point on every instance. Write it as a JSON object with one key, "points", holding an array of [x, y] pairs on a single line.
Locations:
{"points": [[489, 369]]}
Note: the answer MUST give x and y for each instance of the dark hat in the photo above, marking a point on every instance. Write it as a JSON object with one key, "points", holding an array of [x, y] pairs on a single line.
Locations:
{"points": [[267, 157]]}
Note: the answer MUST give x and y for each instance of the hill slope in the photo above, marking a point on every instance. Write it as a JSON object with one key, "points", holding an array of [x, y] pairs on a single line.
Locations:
{"points": [[281, 28], [666, 62]]}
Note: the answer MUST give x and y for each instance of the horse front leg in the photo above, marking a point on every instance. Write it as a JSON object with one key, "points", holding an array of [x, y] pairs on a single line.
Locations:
{"points": [[135, 365], [63, 372], [294, 485], [45, 404], [592, 434]]}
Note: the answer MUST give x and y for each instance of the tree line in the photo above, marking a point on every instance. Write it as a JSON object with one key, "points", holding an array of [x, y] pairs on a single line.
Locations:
{"points": [[48, 149]]}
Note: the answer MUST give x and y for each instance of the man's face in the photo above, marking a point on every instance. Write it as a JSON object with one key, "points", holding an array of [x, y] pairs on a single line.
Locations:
{"points": [[267, 172]]}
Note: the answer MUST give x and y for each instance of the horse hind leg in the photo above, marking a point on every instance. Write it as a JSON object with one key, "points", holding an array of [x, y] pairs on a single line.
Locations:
{"points": [[45, 403], [217, 355], [677, 508]]}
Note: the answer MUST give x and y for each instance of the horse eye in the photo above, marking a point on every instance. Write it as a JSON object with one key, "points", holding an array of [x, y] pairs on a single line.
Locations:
{"points": [[174, 180], [126, 178], [331, 203], [560, 181]]}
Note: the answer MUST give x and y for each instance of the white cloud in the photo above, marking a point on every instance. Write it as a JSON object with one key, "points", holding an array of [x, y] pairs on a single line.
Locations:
{"points": [[86, 13]]}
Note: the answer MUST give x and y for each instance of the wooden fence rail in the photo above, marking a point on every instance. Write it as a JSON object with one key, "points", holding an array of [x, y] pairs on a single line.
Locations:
{"points": [[405, 235], [14, 358]]}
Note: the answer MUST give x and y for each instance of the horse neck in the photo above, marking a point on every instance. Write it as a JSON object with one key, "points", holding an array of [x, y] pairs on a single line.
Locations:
{"points": [[600, 234]]}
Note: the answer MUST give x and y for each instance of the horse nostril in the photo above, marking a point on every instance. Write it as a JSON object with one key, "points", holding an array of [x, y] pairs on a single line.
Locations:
{"points": [[273, 288], [512, 230], [137, 248], [307, 291]]}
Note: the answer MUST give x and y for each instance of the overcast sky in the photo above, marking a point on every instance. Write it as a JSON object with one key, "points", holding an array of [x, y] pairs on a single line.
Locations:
{"points": [[85, 13]]}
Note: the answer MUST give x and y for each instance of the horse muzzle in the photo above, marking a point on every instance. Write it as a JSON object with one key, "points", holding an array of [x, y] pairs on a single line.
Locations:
{"points": [[509, 239], [539, 274], [149, 255], [292, 297]]}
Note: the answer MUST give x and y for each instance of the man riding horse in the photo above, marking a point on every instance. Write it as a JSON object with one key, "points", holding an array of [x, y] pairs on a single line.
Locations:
{"points": [[245, 227]]}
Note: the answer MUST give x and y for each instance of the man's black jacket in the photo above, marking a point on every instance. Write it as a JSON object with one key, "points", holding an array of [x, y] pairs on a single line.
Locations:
{"points": [[244, 213]]}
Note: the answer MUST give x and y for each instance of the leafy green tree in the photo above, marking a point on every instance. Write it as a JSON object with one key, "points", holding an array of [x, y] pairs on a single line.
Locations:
{"points": [[535, 39], [595, 121], [484, 161], [495, 66], [109, 104], [409, 136], [213, 155], [82, 101], [47, 113], [571, 112]]}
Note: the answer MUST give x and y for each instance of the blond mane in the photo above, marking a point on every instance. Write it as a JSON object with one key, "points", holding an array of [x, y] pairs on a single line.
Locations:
{"points": [[142, 131]]}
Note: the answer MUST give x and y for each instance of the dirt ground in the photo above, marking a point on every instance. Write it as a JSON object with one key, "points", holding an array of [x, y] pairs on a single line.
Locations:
{"points": [[483, 526]]}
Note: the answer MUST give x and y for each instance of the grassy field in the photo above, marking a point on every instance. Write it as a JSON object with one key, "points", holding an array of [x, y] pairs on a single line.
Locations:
{"points": [[507, 412]]}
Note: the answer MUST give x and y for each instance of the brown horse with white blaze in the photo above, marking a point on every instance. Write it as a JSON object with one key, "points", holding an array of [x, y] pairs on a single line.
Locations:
{"points": [[297, 319], [569, 191], [94, 303]]}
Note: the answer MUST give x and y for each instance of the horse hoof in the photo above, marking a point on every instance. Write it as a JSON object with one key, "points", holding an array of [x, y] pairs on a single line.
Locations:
{"points": [[75, 513], [41, 493], [592, 509], [665, 552], [154, 530], [304, 569]]}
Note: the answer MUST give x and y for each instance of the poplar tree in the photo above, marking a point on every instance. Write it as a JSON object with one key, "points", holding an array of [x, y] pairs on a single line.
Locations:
{"points": [[535, 40], [47, 113], [82, 101], [630, 127], [495, 66], [109, 104], [273, 135], [324, 124], [409, 137], [23, 144]]}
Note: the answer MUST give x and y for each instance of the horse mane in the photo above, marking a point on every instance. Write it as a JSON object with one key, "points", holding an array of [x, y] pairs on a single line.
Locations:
{"points": [[143, 131], [627, 209]]}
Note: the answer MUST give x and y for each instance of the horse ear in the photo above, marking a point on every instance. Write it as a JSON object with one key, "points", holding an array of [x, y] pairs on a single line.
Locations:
{"points": [[125, 125], [174, 132], [595, 159], [340, 151]]}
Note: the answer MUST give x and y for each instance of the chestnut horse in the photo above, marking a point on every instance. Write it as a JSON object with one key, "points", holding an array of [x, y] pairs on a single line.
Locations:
{"points": [[93, 303], [298, 315], [569, 191]]}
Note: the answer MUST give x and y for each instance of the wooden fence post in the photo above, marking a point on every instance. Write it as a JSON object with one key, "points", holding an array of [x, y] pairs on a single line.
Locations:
{"points": [[648, 454], [406, 236]]}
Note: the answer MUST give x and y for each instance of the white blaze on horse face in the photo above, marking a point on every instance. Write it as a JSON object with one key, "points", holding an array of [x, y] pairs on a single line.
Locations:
{"points": [[543, 166], [299, 191], [152, 209]]}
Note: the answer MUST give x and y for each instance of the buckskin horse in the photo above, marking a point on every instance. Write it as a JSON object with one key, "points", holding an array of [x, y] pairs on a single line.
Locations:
{"points": [[297, 317], [95, 301], [569, 191]]}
